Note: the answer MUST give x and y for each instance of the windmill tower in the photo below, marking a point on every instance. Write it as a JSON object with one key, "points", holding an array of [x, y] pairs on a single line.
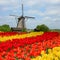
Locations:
{"points": [[21, 21]]}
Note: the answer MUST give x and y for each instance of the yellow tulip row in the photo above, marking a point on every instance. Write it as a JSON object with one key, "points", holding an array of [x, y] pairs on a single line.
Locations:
{"points": [[32, 34], [53, 54]]}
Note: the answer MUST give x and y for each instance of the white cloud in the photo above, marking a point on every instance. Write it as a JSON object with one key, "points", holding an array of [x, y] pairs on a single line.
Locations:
{"points": [[8, 20], [39, 2], [51, 1], [13, 8], [46, 18], [35, 12], [32, 3], [50, 19], [3, 2], [7, 2], [0, 16], [10, 5], [50, 14], [5, 8]]}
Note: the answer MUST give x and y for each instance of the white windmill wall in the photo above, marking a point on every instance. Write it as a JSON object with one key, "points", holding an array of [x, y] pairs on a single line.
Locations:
{"points": [[21, 23]]}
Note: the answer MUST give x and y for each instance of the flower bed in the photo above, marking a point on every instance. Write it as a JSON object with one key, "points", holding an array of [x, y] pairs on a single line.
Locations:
{"points": [[12, 36], [30, 46], [6, 34], [51, 54]]}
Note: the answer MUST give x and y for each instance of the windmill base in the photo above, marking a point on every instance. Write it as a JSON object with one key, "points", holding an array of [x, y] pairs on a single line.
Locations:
{"points": [[16, 29]]}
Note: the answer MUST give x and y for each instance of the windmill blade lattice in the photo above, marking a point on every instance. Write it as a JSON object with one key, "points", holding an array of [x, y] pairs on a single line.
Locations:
{"points": [[29, 17]]}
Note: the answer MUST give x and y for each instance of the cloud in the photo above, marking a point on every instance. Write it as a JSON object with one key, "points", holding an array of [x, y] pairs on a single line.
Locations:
{"points": [[35, 12], [3, 2], [0, 17], [9, 4], [46, 11], [32, 3], [52, 1], [8, 20]]}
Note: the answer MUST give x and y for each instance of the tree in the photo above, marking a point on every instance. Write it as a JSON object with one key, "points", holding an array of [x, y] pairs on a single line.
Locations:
{"points": [[5, 28], [42, 27]]}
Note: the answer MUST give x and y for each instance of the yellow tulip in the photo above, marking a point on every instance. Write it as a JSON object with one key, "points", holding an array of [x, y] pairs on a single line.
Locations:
{"points": [[53, 54], [38, 58], [42, 52], [49, 50], [33, 59], [56, 58]]}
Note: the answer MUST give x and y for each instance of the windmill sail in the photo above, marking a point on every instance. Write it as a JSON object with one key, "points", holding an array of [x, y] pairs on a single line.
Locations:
{"points": [[29, 17], [22, 10]]}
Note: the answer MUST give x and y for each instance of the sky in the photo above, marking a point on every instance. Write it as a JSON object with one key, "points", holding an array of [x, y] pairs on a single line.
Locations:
{"points": [[45, 12]]}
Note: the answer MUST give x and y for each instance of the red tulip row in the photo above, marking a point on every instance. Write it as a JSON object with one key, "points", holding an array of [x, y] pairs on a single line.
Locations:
{"points": [[10, 33], [25, 41], [26, 52]]}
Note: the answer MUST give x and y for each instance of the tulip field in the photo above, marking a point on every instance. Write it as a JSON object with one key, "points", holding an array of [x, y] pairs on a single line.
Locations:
{"points": [[29, 46]]}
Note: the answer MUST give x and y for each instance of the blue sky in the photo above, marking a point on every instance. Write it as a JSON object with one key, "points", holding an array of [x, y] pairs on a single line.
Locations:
{"points": [[45, 12]]}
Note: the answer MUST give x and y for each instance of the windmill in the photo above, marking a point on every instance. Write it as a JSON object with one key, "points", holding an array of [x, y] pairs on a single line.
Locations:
{"points": [[21, 21]]}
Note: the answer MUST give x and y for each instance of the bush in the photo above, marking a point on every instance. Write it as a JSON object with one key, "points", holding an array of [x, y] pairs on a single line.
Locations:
{"points": [[24, 30], [41, 28], [5, 28]]}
